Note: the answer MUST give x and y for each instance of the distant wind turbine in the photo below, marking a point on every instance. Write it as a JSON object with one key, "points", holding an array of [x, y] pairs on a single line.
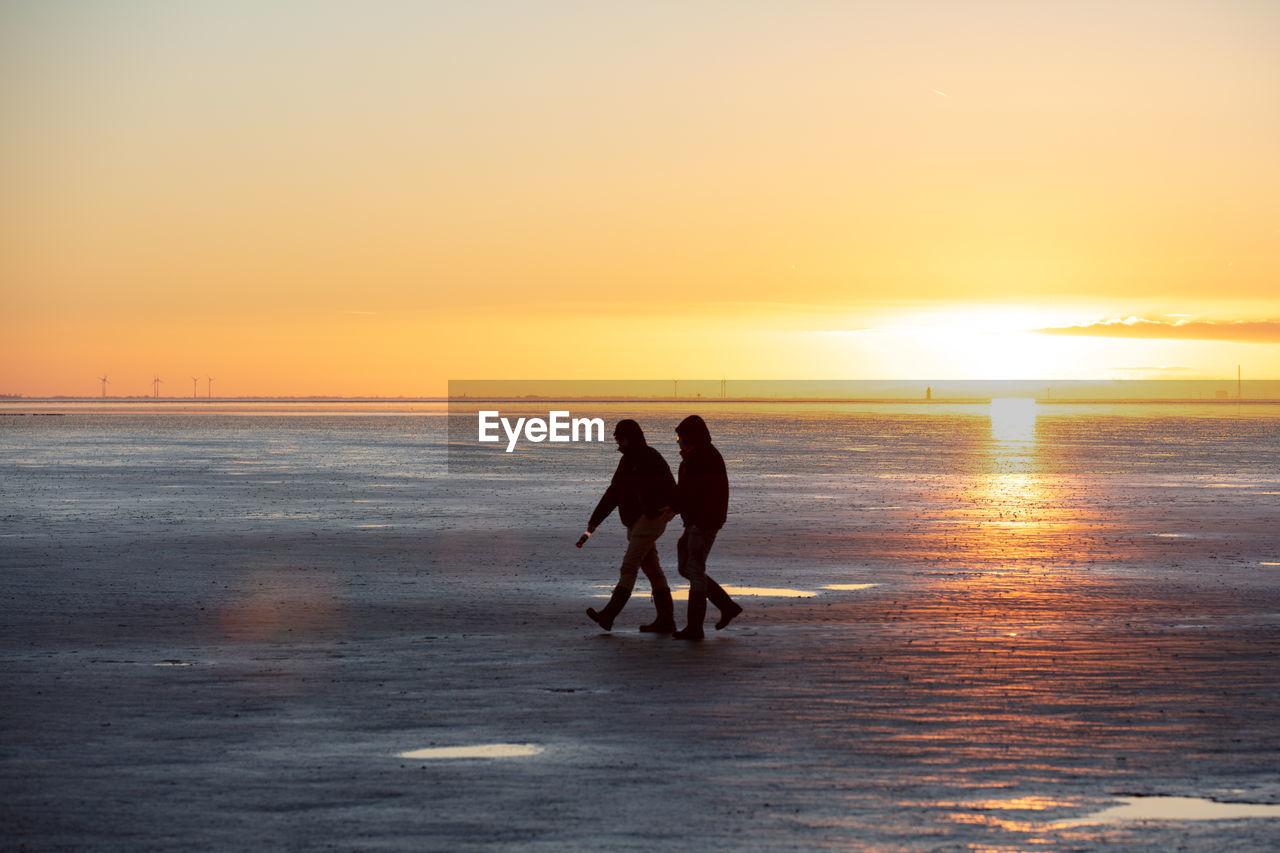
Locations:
{"points": [[195, 380], [155, 387], [210, 378], [104, 385]]}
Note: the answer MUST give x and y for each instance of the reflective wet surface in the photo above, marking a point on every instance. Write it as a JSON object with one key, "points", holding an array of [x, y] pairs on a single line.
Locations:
{"points": [[966, 633]]}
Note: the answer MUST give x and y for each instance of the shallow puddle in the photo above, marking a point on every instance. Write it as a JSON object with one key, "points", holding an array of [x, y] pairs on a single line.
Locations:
{"points": [[769, 592], [483, 750], [845, 587], [1176, 808], [682, 593]]}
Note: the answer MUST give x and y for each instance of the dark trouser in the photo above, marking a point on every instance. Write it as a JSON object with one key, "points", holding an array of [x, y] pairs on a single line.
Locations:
{"points": [[691, 561]]}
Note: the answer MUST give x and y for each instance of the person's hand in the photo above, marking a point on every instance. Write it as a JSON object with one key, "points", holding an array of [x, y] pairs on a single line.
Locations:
{"points": [[666, 513]]}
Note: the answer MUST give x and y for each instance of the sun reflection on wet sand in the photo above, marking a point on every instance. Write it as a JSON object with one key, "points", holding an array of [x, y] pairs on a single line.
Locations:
{"points": [[1009, 510], [993, 812], [1036, 634]]}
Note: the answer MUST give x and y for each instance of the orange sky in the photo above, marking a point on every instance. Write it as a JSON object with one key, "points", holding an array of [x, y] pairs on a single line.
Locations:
{"points": [[370, 199]]}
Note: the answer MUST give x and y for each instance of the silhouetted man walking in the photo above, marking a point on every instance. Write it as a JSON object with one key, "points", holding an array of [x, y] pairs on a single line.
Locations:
{"points": [[643, 491], [703, 499]]}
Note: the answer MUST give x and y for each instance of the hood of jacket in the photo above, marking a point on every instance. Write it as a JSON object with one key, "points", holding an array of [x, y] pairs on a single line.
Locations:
{"points": [[693, 430], [631, 431]]}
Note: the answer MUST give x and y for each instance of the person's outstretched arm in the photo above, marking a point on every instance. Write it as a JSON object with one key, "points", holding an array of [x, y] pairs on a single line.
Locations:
{"points": [[608, 503]]}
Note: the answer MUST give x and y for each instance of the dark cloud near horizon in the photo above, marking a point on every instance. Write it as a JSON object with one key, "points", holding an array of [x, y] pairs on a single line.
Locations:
{"points": [[1254, 332]]}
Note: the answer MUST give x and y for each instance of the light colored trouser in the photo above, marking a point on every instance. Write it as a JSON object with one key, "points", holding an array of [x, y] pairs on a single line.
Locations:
{"points": [[642, 554]]}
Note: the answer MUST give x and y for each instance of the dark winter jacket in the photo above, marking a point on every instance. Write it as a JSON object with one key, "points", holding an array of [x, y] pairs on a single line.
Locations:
{"points": [[642, 485], [702, 496]]}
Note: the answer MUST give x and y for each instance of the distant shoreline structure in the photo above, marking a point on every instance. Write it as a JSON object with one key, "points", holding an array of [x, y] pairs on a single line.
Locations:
{"points": [[867, 390], [465, 392]]}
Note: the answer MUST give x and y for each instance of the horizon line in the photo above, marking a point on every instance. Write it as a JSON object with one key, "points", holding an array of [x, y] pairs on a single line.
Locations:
{"points": [[561, 398]]}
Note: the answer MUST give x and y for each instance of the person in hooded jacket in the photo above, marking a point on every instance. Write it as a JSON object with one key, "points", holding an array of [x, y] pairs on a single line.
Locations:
{"points": [[702, 497], [643, 492]]}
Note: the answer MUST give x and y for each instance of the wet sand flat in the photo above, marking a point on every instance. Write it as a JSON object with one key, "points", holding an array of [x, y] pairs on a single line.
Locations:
{"points": [[923, 713], [176, 678]]}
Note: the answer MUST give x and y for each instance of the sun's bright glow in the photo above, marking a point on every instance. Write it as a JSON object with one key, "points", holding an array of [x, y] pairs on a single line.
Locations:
{"points": [[1002, 341], [1013, 420]]}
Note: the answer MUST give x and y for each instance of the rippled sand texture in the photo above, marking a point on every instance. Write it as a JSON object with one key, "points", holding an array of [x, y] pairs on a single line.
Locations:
{"points": [[966, 628]]}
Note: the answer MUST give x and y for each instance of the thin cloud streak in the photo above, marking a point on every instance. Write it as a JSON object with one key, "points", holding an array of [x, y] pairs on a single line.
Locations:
{"points": [[1254, 332]]}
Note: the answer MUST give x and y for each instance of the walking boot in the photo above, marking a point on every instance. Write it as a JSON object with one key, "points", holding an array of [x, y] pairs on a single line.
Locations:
{"points": [[665, 623], [697, 612], [604, 618], [729, 609]]}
